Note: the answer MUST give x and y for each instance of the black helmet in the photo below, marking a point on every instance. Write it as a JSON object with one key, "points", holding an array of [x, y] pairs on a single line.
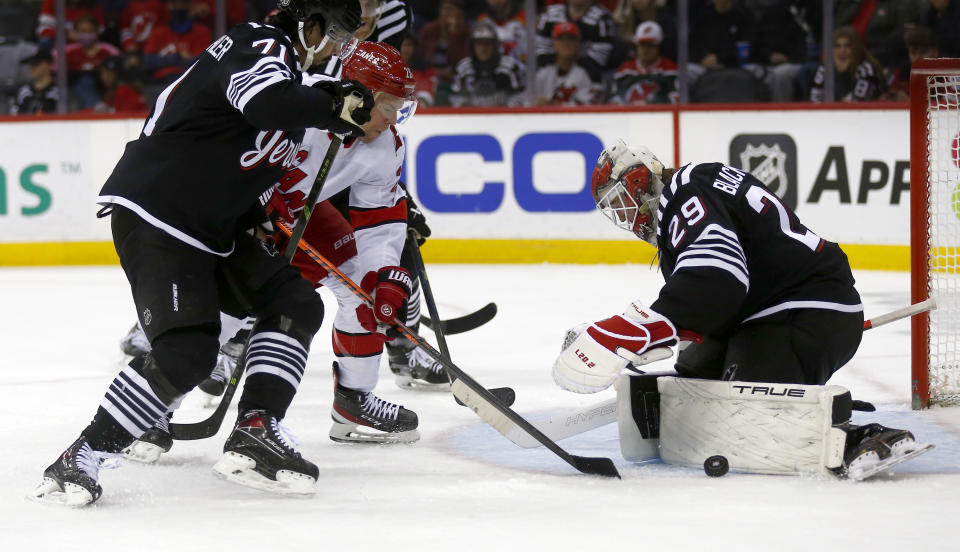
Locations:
{"points": [[343, 14]]}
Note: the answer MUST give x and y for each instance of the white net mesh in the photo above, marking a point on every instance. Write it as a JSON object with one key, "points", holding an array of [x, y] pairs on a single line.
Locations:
{"points": [[943, 94]]}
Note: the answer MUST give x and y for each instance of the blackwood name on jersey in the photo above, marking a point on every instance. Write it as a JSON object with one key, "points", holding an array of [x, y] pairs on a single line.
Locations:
{"points": [[727, 241]]}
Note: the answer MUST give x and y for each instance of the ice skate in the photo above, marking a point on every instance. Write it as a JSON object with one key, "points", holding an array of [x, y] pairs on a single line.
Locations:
{"points": [[362, 417], [72, 479], [152, 444], [873, 448], [216, 383], [259, 454], [414, 368], [135, 342]]}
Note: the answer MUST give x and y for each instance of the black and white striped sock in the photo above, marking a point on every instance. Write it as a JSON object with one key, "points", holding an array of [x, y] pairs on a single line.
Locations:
{"points": [[132, 403], [276, 354]]}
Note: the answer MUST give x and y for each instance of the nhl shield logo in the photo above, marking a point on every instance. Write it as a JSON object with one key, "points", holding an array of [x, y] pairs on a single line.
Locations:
{"points": [[772, 158]]}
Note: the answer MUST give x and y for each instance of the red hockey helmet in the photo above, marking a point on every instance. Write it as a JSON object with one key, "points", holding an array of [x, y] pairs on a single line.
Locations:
{"points": [[381, 68], [626, 186]]}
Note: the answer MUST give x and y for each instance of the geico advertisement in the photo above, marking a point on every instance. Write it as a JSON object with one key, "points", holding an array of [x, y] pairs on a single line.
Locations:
{"points": [[520, 175], [846, 173], [50, 173]]}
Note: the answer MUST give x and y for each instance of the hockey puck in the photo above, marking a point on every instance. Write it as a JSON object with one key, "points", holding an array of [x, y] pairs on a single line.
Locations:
{"points": [[716, 466]]}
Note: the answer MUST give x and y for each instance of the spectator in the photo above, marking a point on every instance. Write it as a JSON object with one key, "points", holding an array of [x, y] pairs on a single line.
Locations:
{"points": [[116, 94], [486, 78], [510, 22], [630, 13], [446, 41], [944, 19], [203, 12], [424, 75], [649, 78], [137, 22], [40, 95], [921, 43], [858, 76], [84, 57], [722, 36], [47, 22], [881, 24], [170, 49], [565, 82], [784, 43], [597, 34]]}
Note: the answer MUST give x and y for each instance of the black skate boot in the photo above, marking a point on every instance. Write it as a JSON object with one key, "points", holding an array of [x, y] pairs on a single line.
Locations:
{"points": [[873, 448], [72, 479], [415, 369], [260, 454], [362, 417], [135, 343], [152, 444], [216, 382]]}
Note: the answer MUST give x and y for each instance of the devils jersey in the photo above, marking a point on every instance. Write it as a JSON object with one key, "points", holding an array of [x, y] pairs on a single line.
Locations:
{"points": [[731, 252], [218, 137], [377, 202]]}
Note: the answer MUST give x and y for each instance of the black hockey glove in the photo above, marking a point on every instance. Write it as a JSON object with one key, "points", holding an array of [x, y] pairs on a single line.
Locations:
{"points": [[416, 221], [352, 103]]}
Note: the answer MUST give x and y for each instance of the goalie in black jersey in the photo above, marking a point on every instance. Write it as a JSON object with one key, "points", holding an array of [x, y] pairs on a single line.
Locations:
{"points": [[756, 295], [182, 198]]}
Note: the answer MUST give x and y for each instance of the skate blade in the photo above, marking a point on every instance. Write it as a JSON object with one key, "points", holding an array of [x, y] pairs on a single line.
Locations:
{"points": [[50, 492], [354, 433], [240, 469], [871, 468], [145, 453], [407, 382]]}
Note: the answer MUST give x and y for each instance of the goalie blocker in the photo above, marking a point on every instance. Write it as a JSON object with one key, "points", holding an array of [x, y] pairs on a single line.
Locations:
{"points": [[758, 427]]}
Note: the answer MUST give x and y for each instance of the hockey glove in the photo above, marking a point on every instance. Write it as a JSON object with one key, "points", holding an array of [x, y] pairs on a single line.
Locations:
{"points": [[594, 358], [416, 222], [352, 103], [390, 286]]}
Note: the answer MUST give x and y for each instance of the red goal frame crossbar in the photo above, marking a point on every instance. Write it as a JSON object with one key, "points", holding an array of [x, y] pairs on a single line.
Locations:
{"points": [[919, 218]]}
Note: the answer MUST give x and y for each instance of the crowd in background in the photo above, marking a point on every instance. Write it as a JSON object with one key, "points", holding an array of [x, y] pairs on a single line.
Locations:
{"points": [[120, 54]]}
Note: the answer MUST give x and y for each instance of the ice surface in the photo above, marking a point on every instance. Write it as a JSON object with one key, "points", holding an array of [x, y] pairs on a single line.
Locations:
{"points": [[463, 486]]}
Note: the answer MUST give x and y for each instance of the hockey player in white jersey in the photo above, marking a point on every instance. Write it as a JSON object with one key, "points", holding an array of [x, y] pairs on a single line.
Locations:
{"points": [[370, 167]]}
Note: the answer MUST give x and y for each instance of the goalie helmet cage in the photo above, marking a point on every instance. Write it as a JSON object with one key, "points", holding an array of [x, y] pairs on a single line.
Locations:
{"points": [[935, 230]]}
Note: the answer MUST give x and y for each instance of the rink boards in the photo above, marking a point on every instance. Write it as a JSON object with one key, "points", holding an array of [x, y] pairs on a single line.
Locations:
{"points": [[508, 186]]}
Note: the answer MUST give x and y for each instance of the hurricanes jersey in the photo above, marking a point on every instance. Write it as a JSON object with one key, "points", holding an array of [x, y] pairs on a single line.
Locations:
{"points": [[219, 137], [731, 252]]}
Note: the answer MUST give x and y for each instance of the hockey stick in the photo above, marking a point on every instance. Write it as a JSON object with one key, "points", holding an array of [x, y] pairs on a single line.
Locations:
{"points": [[506, 395], [474, 395], [311, 200], [210, 426], [463, 323], [569, 424]]}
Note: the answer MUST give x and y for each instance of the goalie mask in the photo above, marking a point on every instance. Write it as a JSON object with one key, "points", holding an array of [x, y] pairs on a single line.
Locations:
{"points": [[338, 19], [381, 68], [626, 186]]}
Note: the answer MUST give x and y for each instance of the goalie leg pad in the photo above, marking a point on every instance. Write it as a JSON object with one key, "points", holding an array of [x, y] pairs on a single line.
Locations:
{"points": [[638, 417], [759, 427]]}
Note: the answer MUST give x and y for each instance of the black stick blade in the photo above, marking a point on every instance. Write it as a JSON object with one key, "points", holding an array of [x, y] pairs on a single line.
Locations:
{"points": [[595, 466]]}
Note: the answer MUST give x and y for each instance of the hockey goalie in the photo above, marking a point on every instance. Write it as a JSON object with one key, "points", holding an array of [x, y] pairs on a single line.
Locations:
{"points": [[765, 311]]}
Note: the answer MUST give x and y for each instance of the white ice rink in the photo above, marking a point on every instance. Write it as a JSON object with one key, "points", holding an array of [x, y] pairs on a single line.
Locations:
{"points": [[463, 486]]}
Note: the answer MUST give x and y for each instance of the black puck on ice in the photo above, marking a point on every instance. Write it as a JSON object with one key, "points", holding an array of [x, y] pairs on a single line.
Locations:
{"points": [[716, 466]]}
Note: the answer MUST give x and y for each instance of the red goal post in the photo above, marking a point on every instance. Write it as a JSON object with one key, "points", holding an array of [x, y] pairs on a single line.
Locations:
{"points": [[935, 230]]}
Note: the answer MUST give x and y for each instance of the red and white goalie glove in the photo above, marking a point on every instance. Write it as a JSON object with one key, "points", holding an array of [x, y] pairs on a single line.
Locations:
{"points": [[390, 286], [592, 361]]}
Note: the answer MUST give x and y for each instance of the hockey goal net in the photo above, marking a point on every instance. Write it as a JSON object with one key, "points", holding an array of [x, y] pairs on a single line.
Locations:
{"points": [[935, 229]]}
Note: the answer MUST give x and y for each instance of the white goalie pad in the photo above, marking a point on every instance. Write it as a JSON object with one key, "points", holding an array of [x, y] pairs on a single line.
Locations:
{"points": [[759, 427]]}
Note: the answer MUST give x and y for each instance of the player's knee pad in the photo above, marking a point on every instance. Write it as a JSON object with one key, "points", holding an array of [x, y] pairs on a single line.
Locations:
{"points": [[758, 427], [180, 360]]}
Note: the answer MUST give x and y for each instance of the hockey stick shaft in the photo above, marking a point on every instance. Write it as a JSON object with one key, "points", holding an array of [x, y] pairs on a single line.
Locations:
{"points": [[463, 323], [899, 314], [311, 201], [474, 395]]}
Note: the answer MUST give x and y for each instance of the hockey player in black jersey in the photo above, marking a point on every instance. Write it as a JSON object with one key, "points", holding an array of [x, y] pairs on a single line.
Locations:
{"points": [[758, 296], [183, 196]]}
